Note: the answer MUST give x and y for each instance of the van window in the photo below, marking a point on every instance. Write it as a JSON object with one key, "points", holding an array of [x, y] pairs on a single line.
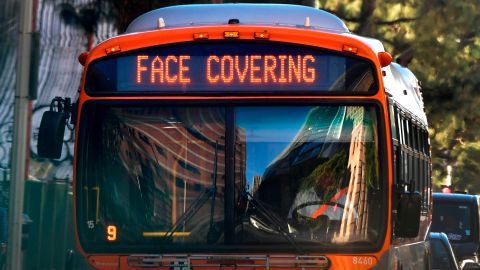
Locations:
{"points": [[455, 220]]}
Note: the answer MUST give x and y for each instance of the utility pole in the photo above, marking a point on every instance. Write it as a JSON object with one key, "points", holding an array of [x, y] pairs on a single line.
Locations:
{"points": [[20, 134], [448, 181]]}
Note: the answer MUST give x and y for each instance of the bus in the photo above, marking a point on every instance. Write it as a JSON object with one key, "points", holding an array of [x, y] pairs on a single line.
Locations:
{"points": [[246, 136]]}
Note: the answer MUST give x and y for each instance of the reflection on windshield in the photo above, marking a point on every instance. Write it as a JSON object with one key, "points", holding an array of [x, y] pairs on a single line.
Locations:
{"points": [[454, 220], [321, 179], [156, 176], [159, 174]]}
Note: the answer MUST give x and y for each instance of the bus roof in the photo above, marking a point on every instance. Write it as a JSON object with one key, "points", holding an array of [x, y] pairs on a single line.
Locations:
{"points": [[402, 85], [259, 14]]}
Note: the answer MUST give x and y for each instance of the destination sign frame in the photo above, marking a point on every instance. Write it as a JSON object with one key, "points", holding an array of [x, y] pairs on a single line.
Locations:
{"points": [[231, 67]]}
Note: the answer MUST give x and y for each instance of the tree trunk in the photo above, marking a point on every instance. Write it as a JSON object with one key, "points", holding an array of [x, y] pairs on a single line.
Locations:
{"points": [[367, 25]]}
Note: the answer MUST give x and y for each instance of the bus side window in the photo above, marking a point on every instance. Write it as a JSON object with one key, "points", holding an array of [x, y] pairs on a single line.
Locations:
{"points": [[419, 163], [421, 175], [398, 119], [413, 157], [400, 153], [426, 165], [414, 135], [406, 156], [396, 143], [410, 133], [421, 143], [393, 120], [405, 131], [418, 160], [410, 175]]}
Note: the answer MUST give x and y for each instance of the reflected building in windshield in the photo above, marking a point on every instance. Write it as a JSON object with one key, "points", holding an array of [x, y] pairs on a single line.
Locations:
{"points": [[357, 193], [158, 174], [172, 157], [325, 174]]}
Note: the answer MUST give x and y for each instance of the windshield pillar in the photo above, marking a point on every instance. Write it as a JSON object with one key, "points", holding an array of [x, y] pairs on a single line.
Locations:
{"points": [[230, 176]]}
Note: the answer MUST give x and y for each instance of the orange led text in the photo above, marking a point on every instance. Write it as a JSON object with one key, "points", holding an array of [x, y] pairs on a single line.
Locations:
{"points": [[261, 69], [226, 69], [169, 69]]}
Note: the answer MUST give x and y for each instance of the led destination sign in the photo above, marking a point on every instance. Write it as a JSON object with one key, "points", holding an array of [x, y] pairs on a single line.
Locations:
{"points": [[254, 69], [230, 67]]}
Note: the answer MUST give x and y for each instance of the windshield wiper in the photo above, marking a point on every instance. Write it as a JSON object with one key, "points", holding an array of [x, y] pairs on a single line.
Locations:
{"points": [[210, 192], [272, 219], [192, 210], [213, 231]]}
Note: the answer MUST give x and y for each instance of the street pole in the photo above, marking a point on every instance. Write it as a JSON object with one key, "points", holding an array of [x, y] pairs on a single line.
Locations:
{"points": [[20, 135]]}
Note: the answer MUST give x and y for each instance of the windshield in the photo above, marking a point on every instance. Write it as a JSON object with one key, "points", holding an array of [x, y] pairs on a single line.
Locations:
{"points": [[157, 178], [454, 219]]}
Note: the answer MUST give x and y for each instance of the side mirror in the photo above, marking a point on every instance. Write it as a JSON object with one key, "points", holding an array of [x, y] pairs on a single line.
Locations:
{"points": [[50, 134], [407, 221]]}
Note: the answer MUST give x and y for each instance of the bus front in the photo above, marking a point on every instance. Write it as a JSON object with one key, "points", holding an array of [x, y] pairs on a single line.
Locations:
{"points": [[232, 145]]}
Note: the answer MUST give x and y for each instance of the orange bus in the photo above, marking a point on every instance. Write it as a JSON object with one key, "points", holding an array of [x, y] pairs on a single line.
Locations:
{"points": [[246, 136]]}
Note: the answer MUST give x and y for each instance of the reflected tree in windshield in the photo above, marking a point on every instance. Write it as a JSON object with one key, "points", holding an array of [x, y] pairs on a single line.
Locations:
{"points": [[324, 182]]}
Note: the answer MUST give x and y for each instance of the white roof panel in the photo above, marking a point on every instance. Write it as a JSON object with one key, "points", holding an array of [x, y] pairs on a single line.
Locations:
{"points": [[220, 14]]}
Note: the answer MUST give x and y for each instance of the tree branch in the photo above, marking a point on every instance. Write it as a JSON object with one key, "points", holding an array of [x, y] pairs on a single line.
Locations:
{"points": [[347, 18], [405, 57], [399, 20], [343, 16]]}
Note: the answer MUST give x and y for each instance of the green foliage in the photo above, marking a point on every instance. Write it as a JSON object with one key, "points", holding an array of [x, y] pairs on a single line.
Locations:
{"points": [[447, 63], [445, 38], [324, 179]]}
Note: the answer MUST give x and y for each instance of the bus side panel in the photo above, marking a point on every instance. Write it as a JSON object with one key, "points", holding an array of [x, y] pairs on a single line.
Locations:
{"points": [[414, 256], [406, 257]]}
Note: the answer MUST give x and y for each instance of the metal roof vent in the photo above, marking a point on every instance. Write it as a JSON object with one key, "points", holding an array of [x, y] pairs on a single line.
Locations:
{"points": [[161, 23], [307, 22]]}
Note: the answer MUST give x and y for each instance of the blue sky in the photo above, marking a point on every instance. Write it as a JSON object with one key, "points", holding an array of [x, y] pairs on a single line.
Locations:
{"points": [[268, 131]]}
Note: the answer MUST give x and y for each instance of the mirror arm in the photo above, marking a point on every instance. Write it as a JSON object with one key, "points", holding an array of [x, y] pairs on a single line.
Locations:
{"points": [[405, 187], [74, 114], [65, 105]]}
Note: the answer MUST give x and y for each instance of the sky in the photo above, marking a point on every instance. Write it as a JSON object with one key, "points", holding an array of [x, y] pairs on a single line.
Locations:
{"points": [[268, 131]]}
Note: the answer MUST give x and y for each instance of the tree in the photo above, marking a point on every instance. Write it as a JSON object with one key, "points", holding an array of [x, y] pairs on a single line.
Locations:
{"points": [[439, 40]]}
